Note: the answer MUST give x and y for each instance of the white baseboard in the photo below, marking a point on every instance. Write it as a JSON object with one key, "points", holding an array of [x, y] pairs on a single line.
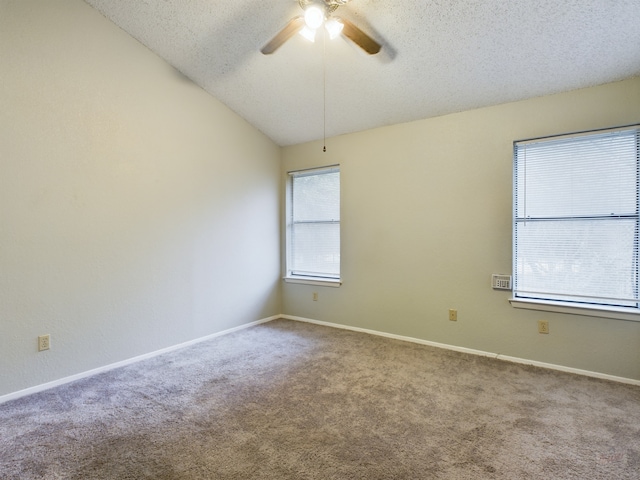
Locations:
{"points": [[95, 371], [498, 356], [129, 361]]}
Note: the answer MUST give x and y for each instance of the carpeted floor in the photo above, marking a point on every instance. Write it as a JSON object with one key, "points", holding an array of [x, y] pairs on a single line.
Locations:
{"points": [[289, 400]]}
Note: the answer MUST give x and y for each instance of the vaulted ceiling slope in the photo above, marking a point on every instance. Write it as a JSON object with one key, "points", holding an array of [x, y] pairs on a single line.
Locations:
{"points": [[438, 56]]}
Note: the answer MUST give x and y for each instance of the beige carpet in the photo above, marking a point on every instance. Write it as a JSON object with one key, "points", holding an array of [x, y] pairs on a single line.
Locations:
{"points": [[288, 400]]}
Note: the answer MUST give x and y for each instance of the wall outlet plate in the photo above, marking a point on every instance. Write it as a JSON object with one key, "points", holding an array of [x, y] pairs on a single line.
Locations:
{"points": [[543, 326], [44, 342]]}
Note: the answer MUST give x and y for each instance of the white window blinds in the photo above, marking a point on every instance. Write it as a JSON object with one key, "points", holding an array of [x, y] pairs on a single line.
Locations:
{"points": [[576, 218], [314, 224]]}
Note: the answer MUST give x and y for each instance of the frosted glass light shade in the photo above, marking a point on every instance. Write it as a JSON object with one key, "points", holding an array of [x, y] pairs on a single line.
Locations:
{"points": [[313, 16], [308, 33], [334, 27]]}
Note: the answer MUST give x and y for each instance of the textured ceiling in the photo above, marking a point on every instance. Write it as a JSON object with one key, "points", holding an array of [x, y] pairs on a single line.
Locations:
{"points": [[438, 56]]}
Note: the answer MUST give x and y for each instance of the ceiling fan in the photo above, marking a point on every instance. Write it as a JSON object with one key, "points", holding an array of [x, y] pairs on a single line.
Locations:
{"points": [[316, 14]]}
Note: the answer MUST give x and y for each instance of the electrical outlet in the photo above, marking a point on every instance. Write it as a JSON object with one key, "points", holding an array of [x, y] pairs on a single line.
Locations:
{"points": [[543, 326], [315, 296], [44, 342], [453, 314]]}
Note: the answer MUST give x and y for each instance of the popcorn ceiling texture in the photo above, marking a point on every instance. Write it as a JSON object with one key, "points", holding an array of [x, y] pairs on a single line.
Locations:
{"points": [[438, 56]]}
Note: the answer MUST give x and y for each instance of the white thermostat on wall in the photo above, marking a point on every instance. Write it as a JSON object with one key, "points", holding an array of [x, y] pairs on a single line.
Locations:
{"points": [[501, 282]]}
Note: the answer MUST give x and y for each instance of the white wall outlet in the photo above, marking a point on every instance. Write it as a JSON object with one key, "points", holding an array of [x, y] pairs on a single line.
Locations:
{"points": [[44, 342], [453, 314], [543, 326], [315, 296]]}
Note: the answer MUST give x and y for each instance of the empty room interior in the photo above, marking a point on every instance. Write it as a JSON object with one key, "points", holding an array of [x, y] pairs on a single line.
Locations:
{"points": [[148, 155]]}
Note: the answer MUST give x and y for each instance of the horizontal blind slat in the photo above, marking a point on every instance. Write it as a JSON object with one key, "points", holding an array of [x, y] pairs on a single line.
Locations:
{"points": [[314, 230], [576, 218]]}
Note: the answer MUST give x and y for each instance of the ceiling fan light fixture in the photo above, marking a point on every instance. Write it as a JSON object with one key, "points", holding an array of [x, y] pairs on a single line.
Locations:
{"points": [[308, 33], [313, 16], [334, 27], [317, 13]]}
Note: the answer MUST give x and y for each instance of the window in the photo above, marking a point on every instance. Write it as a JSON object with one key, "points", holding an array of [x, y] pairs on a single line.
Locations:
{"points": [[313, 225], [575, 230]]}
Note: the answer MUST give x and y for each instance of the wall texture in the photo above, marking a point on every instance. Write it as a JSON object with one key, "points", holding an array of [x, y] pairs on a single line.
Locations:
{"points": [[136, 211], [426, 220]]}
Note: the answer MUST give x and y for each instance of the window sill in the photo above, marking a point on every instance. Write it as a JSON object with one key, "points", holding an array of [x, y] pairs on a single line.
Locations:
{"points": [[589, 311], [324, 282]]}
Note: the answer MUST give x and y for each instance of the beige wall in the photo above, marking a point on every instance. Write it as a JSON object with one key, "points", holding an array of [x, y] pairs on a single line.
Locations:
{"points": [[426, 220], [136, 211]]}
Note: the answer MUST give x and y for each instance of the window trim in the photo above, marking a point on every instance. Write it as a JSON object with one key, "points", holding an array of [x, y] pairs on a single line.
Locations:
{"points": [[586, 309], [322, 282], [616, 313], [289, 277]]}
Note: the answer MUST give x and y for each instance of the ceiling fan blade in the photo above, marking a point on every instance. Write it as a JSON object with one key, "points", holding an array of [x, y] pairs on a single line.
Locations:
{"points": [[289, 30], [360, 38]]}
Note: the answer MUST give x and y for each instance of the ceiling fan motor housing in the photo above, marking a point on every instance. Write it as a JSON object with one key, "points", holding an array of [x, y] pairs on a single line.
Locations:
{"points": [[329, 6]]}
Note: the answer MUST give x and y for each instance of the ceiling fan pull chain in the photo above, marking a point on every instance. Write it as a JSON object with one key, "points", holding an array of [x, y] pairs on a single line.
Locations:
{"points": [[324, 91]]}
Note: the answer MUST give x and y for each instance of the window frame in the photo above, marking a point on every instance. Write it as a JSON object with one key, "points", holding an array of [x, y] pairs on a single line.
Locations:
{"points": [[568, 305], [290, 276]]}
